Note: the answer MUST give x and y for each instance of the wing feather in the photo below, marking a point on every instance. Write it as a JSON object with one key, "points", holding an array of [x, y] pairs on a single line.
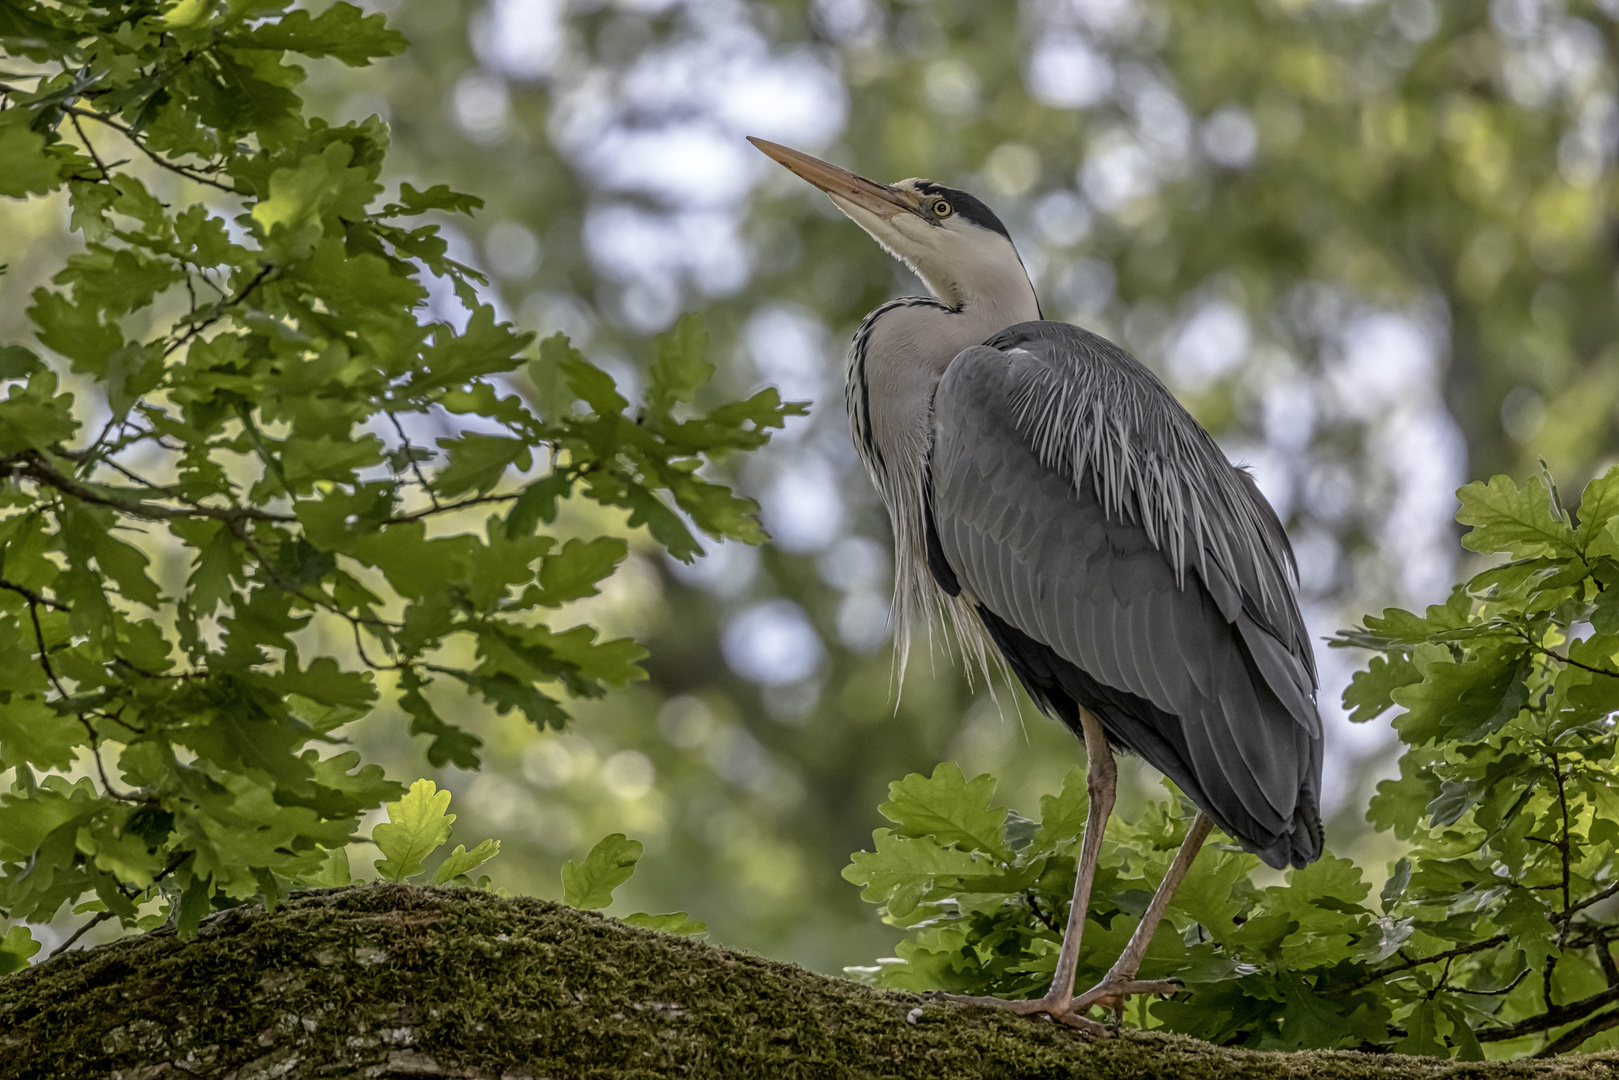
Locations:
{"points": [[1195, 657]]}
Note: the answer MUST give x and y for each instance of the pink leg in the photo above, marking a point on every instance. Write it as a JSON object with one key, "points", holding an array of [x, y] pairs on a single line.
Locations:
{"points": [[1120, 981], [1102, 786]]}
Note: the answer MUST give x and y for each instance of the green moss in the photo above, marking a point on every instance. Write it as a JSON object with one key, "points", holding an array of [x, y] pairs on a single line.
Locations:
{"points": [[392, 980]]}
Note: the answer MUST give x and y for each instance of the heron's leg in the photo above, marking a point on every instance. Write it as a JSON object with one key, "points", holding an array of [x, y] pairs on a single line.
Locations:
{"points": [[1101, 784], [1120, 981]]}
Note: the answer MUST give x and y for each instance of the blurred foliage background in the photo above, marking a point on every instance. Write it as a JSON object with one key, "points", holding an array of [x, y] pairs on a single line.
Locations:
{"points": [[1373, 246]]}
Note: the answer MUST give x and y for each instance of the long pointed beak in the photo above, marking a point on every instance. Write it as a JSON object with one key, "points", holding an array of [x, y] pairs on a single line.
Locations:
{"points": [[841, 184]]}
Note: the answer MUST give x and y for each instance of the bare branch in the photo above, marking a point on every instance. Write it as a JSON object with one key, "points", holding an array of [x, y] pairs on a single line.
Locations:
{"points": [[1553, 1017], [100, 918], [1573, 1040]]}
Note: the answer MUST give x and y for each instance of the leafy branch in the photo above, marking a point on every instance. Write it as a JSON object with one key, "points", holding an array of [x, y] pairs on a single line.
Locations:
{"points": [[199, 176], [152, 623]]}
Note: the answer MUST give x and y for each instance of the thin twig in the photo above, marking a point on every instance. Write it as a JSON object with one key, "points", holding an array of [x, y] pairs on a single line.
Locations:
{"points": [[1039, 913], [31, 596], [130, 474], [1462, 950], [133, 136], [100, 918], [415, 467], [1501, 992], [202, 272], [219, 313], [1443, 977], [145, 674], [32, 465], [106, 174], [89, 452], [359, 647], [1562, 848], [95, 752], [1553, 654], [403, 519], [1596, 898], [44, 654], [34, 602], [1610, 970], [239, 530]]}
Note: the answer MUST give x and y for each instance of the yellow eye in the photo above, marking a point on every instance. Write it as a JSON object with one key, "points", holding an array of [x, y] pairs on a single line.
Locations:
{"points": [[941, 209]]}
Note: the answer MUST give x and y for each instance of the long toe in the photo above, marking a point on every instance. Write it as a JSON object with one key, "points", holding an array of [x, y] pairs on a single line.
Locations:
{"points": [[1112, 993], [1019, 1006], [1062, 1012]]}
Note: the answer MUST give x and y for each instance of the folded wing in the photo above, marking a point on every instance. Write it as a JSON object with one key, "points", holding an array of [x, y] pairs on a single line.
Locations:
{"points": [[1122, 564]]}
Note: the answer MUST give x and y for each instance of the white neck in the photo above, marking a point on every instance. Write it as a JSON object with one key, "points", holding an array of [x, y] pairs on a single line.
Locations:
{"points": [[902, 350], [979, 272], [899, 356]]}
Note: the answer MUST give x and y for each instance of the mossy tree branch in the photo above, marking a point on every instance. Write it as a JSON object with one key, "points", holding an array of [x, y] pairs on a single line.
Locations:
{"points": [[393, 981]]}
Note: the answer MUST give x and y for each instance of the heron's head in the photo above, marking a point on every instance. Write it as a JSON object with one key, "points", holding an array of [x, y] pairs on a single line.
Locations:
{"points": [[955, 243]]}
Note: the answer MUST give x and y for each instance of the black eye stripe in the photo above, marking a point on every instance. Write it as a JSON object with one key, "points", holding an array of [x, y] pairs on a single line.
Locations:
{"points": [[964, 206]]}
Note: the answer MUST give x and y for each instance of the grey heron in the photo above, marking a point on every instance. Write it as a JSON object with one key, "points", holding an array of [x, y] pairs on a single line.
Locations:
{"points": [[1052, 500]]}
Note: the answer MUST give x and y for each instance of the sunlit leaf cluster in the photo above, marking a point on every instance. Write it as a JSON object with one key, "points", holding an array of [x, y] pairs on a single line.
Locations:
{"points": [[417, 826], [255, 484], [1492, 935]]}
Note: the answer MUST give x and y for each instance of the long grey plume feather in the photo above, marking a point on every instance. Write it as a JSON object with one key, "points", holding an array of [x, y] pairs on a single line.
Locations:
{"points": [[899, 472], [1083, 409]]}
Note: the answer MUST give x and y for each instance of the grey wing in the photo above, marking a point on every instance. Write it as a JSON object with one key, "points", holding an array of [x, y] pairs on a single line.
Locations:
{"points": [[1190, 670]]}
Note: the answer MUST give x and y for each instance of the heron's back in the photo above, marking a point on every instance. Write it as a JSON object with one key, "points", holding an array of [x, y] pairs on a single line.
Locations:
{"points": [[1120, 563]]}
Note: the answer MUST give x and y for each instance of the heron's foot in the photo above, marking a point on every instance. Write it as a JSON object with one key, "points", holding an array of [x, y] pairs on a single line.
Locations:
{"points": [[1061, 1010], [1111, 993]]}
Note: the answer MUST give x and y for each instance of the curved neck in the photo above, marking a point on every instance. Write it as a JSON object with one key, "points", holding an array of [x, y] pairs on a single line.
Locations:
{"points": [[995, 300], [899, 355]]}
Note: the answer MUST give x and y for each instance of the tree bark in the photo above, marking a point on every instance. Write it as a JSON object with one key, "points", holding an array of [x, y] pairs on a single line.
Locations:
{"points": [[401, 981]]}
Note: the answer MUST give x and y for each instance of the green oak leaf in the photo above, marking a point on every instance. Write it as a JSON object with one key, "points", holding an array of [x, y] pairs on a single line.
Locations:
{"points": [[1520, 521], [17, 947], [949, 808], [461, 862], [417, 826], [334, 872], [573, 571], [25, 168], [342, 31], [1599, 506], [679, 365], [676, 922], [1370, 692], [589, 884]]}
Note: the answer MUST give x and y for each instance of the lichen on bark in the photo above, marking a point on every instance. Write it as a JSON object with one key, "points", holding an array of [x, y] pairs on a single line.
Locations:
{"points": [[401, 981]]}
